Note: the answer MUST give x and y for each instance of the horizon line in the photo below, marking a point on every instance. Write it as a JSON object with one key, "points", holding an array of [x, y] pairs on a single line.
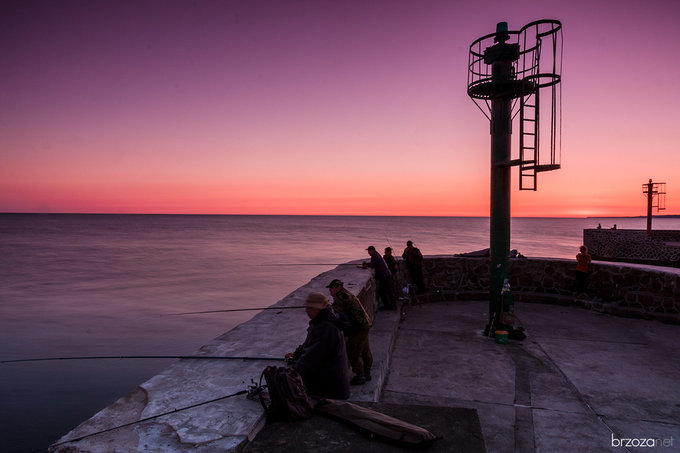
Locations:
{"points": [[335, 215]]}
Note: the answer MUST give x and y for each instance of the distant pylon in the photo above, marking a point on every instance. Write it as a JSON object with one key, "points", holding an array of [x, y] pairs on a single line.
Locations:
{"points": [[653, 189]]}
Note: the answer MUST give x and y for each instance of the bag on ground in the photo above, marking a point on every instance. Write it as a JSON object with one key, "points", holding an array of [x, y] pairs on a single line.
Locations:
{"points": [[288, 399]]}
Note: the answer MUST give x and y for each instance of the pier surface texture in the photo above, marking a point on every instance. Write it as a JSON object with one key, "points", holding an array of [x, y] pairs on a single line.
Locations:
{"points": [[581, 381]]}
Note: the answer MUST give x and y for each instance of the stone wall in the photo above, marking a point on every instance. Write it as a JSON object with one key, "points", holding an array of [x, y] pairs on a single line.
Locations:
{"points": [[616, 288], [661, 247]]}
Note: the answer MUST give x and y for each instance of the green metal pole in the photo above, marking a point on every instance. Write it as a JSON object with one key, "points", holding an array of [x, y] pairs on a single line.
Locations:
{"points": [[650, 203], [501, 57], [501, 115]]}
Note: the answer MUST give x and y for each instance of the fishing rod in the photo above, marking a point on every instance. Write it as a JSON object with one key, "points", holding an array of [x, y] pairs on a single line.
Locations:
{"points": [[192, 357], [306, 264], [233, 309], [142, 420]]}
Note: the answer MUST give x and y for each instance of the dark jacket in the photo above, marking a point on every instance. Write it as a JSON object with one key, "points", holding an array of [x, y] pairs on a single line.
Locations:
{"points": [[392, 263], [322, 359], [412, 257], [378, 263]]}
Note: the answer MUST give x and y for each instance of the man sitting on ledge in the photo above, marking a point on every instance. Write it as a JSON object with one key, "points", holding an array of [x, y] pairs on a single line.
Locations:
{"points": [[322, 359]]}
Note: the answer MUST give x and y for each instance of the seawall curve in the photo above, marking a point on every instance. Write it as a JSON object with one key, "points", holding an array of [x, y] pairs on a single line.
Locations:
{"points": [[623, 289]]}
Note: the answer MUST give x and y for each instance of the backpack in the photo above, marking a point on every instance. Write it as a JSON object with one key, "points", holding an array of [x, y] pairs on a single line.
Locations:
{"points": [[288, 399]]}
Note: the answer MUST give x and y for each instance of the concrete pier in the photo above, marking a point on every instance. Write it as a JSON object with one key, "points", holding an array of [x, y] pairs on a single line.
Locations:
{"points": [[580, 381], [223, 424]]}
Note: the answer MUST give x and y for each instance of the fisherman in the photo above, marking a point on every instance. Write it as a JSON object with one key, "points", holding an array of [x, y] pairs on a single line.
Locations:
{"points": [[414, 263], [384, 278], [393, 265], [322, 359], [358, 325]]}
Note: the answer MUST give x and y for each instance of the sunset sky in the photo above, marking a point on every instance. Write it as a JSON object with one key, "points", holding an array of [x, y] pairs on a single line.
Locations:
{"points": [[320, 107]]}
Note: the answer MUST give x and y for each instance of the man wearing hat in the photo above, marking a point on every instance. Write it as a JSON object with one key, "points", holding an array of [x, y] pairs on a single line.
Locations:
{"points": [[359, 323], [322, 359], [384, 278]]}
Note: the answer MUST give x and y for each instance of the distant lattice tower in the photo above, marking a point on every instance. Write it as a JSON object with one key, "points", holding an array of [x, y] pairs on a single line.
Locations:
{"points": [[507, 72]]}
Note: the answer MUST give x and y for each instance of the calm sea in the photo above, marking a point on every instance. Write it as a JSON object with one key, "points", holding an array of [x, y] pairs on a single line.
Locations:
{"points": [[102, 285]]}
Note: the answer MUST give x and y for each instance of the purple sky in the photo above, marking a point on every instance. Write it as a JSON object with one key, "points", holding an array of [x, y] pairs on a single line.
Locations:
{"points": [[318, 107]]}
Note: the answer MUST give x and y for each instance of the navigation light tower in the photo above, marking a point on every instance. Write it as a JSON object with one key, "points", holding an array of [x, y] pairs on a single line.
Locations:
{"points": [[507, 71]]}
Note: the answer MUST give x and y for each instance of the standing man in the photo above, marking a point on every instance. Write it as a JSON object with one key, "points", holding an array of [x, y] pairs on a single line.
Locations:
{"points": [[391, 261], [384, 278], [414, 263], [359, 323], [322, 359], [393, 265]]}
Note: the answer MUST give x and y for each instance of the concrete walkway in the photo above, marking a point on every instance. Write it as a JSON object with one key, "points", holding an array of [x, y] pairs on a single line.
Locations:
{"points": [[580, 382]]}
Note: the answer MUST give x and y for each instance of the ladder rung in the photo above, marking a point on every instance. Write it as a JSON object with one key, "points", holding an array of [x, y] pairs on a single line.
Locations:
{"points": [[509, 163], [546, 167]]}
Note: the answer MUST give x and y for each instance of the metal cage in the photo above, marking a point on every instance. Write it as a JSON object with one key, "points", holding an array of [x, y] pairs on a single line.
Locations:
{"points": [[538, 67]]}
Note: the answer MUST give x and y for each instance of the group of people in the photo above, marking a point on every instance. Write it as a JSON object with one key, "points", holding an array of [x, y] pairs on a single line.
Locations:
{"points": [[337, 336], [386, 270], [599, 226]]}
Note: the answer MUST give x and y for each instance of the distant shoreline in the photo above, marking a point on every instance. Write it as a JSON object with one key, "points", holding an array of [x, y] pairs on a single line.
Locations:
{"points": [[669, 216]]}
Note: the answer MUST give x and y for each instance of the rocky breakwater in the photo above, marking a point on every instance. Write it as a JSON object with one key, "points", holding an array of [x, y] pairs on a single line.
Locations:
{"points": [[661, 247]]}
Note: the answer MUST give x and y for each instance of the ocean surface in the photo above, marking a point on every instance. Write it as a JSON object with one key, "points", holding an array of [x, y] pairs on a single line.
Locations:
{"points": [[112, 285]]}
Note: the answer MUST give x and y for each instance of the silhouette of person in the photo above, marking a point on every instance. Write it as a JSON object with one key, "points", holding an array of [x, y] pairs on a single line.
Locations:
{"points": [[582, 268], [391, 261], [414, 263], [322, 359], [358, 325], [384, 278], [393, 265]]}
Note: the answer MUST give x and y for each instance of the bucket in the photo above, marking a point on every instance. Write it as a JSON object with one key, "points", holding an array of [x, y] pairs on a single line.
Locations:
{"points": [[501, 336]]}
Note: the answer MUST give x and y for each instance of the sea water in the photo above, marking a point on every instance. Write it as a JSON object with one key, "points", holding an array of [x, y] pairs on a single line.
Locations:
{"points": [[114, 285]]}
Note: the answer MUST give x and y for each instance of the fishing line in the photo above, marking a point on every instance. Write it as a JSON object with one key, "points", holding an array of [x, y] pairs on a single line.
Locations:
{"points": [[233, 309], [193, 357], [77, 439], [307, 264], [388, 240]]}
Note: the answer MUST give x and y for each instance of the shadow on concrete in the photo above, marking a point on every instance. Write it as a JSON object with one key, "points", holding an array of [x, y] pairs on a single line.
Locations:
{"points": [[459, 428]]}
